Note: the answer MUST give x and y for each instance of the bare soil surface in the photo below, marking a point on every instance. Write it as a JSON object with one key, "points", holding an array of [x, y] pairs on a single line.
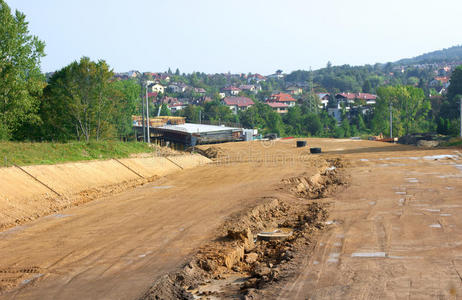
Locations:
{"points": [[366, 220], [395, 233]]}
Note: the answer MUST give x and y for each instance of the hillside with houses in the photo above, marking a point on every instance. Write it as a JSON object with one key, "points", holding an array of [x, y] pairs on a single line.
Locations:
{"points": [[333, 97], [335, 101]]}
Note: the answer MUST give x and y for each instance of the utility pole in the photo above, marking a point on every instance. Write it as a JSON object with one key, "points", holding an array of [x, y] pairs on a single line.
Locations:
{"points": [[391, 120], [148, 139], [461, 116], [142, 116], [200, 116]]}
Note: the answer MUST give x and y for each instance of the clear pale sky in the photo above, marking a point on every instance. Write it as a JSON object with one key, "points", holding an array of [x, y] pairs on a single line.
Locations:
{"points": [[215, 36]]}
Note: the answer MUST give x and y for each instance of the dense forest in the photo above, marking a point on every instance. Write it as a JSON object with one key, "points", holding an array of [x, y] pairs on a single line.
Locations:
{"points": [[452, 54]]}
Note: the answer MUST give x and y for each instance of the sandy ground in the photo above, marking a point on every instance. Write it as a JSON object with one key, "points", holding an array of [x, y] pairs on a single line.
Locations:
{"points": [[113, 248], [393, 232]]}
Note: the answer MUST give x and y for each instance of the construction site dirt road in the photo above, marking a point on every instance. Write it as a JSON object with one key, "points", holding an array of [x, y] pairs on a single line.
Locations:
{"points": [[393, 231]]}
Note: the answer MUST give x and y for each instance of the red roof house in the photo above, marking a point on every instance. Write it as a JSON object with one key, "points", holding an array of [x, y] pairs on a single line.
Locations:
{"points": [[351, 97], [283, 98], [238, 103], [279, 107]]}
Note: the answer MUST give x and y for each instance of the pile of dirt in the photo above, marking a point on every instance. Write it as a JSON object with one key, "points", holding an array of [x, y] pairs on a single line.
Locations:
{"points": [[210, 152], [240, 265], [321, 184], [158, 151], [427, 140], [237, 254]]}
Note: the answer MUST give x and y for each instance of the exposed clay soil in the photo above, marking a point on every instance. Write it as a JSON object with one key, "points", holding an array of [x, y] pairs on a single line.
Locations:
{"points": [[252, 263], [208, 151], [392, 232]]}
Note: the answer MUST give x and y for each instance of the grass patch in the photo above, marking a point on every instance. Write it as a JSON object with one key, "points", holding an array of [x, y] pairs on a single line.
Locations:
{"points": [[453, 142], [22, 153]]}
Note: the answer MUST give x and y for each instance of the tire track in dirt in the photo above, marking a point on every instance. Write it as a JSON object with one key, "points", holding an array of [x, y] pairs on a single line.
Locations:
{"points": [[407, 224]]}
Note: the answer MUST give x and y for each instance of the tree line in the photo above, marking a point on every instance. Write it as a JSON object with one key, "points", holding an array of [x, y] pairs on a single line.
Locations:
{"points": [[79, 102]]}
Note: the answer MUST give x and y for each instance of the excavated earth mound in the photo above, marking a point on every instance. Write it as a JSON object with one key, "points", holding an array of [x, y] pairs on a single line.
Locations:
{"points": [[210, 152], [240, 265]]}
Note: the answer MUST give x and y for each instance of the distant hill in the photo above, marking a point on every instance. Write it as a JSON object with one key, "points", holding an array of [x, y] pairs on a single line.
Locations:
{"points": [[453, 54]]}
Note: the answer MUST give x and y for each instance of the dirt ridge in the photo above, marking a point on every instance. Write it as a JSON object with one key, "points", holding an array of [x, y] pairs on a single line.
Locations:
{"points": [[239, 265]]}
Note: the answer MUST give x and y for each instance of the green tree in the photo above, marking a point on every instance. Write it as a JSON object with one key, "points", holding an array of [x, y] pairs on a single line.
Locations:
{"points": [[313, 124], [345, 125], [367, 88], [191, 113], [216, 111], [21, 82], [413, 80], [263, 117], [164, 111], [361, 125], [294, 120], [451, 106], [77, 102], [332, 101], [125, 97], [410, 109]]}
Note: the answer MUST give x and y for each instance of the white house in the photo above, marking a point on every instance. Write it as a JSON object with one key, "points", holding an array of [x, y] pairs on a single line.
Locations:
{"points": [[158, 88], [177, 87], [176, 106], [324, 99]]}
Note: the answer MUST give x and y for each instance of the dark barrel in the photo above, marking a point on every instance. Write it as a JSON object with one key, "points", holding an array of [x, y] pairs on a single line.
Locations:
{"points": [[301, 144], [315, 150]]}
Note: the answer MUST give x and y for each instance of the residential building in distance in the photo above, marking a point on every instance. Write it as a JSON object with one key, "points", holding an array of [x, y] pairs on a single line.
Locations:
{"points": [[277, 75], [238, 103], [279, 107], [294, 90], [324, 99], [174, 107], [250, 88], [282, 98], [443, 81], [200, 91], [231, 91], [255, 78], [169, 100], [152, 96], [157, 87], [349, 98], [161, 76], [177, 87], [370, 99], [335, 112]]}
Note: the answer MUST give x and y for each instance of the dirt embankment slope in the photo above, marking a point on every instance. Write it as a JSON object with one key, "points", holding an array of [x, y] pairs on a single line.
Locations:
{"points": [[29, 192]]}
